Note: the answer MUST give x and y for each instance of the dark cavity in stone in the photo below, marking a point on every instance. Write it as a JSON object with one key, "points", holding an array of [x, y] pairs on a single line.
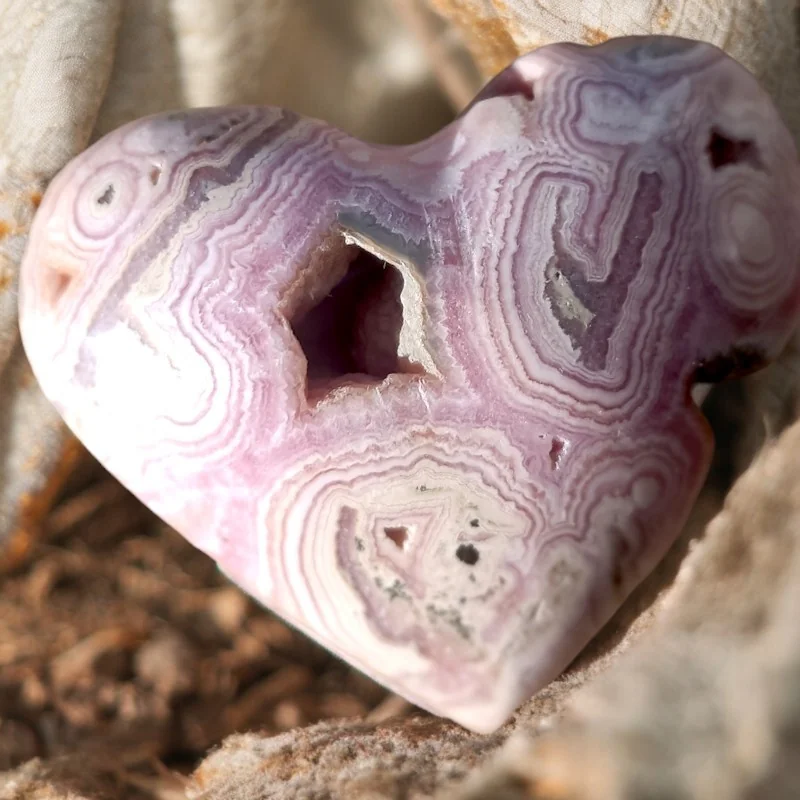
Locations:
{"points": [[556, 452], [352, 334], [724, 150], [739, 362], [397, 535], [107, 196], [508, 83]]}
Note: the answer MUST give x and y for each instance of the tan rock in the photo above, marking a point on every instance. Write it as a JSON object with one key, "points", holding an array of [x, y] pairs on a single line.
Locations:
{"points": [[412, 759]]}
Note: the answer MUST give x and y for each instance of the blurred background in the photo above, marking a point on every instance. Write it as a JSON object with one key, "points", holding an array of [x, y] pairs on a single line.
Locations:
{"points": [[389, 71]]}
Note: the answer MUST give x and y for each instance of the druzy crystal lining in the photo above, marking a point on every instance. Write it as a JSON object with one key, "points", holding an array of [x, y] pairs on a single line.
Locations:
{"points": [[429, 403]]}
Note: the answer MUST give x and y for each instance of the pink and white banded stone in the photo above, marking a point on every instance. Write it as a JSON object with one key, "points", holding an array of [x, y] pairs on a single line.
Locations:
{"points": [[430, 403]]}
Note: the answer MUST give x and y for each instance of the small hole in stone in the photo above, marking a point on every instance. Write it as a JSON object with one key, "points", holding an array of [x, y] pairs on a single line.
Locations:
{"points": [[510, 83], [474, 523], [58, 283], [737, 363], [351, 335], [557, 446], [107, 196], [724, 150], [398, 535], [468, 553], [155, 174]]}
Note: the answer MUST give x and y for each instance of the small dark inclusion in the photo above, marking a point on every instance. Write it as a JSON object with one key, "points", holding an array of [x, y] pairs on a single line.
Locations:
{"points": [[468, 553]]}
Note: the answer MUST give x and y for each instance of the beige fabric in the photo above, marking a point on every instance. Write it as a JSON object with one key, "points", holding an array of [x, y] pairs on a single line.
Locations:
{"points": [[145, 78], [225, 48], [55, 62], [346, 61]]}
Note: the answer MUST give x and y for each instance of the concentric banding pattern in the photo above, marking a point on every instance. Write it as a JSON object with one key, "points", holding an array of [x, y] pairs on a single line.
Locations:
{"points": [[104, 203], [746, 235], [205, 298], [439, 489]]}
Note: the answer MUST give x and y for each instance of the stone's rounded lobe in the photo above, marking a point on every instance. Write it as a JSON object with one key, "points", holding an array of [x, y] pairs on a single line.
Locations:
{"points": [[430, 403]]}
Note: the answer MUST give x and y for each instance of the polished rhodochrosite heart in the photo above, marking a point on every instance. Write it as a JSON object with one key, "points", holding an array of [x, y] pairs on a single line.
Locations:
{"points": [[429, 403]]}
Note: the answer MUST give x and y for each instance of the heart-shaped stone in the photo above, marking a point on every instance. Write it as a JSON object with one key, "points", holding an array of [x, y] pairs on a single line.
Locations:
{"points": [[430, 403]]}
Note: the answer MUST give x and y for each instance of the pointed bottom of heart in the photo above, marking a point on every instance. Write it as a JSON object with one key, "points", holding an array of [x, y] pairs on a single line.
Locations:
{"points": [[479, 695]]}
